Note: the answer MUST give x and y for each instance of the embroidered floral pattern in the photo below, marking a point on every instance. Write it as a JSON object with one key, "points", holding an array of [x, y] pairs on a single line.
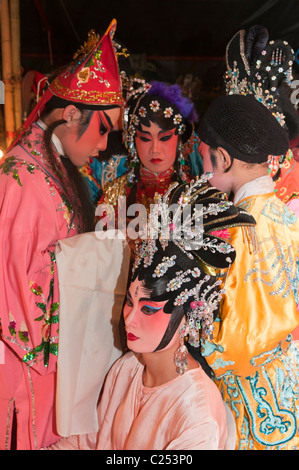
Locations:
{"points": [[22, 333], [12, 165], [33, 333], [282, 277], [48, 318], [67, 209]]}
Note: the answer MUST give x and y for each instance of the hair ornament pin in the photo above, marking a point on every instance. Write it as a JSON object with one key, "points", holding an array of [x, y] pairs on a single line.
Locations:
{"points": [[142, 111], [189, 268], [155, 106], [181, 277], [168, 112], [136, 88], [177, 119], [258, 67], [177, 282], [164, 266]]}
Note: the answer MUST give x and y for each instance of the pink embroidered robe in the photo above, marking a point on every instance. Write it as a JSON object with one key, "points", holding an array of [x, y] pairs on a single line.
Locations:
{"points": [[34, 214]]}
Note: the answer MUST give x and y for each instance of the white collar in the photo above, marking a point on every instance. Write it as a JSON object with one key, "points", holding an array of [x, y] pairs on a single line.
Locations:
{"points": [[56, 141], [261, 185]]}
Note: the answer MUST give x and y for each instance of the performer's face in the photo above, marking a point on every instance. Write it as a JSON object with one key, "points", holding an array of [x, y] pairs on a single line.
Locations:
{"points": [[156, 148], [212, 162], [145, 320], [82, 141]]}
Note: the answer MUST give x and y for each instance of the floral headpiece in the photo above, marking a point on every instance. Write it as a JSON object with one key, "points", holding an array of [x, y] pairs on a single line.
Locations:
{"points": [[169, 98], [191, 253], [144, 99], [258, 67]]}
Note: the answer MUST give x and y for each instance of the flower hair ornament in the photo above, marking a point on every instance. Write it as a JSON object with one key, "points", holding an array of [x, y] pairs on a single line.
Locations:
{"points": [[146, 101], [190, 256]]}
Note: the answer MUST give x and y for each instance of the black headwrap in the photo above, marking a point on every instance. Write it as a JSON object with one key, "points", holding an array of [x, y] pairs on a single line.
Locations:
{"points": [[244, 127]]}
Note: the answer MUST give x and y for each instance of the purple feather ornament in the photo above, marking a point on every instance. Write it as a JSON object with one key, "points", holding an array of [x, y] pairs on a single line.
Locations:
{"points": [[173, 94]]}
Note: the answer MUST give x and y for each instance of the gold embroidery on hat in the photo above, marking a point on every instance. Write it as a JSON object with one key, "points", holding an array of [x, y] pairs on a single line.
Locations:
{"points": [[92, 97], [83, 75]]}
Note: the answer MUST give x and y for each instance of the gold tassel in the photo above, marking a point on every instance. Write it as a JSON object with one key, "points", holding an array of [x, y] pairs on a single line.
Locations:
{"points": [[250, 237]]}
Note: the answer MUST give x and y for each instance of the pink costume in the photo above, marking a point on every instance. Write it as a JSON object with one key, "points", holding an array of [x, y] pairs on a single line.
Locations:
{"points": [[34, 215], [186, 413]]}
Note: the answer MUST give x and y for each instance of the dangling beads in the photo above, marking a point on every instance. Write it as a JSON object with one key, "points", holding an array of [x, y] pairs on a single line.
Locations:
{"points": [[194, 326], [182, 164], [180, 357], [133, 164]]}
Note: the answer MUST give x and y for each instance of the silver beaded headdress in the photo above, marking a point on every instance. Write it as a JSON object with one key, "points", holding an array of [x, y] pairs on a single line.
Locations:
{"points": [[190, 254], [258, 67]]}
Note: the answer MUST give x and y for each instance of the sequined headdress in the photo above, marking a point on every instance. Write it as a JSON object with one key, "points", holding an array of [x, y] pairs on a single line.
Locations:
{"points": [[191, 254], [92, 79], [258, 67], [148, 100]]}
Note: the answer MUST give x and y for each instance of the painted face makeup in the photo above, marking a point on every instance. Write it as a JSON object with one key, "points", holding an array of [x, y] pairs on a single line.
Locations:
{"points": [[145, 320], [86, 140], [156, 148]]}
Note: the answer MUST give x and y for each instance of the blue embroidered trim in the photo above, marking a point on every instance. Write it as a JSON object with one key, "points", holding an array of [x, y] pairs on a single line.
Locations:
{"points": [[271, 355], [278, 419]]}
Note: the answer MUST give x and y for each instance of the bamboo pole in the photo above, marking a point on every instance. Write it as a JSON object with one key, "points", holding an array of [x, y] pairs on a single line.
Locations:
{"points": [[16, 61], [7, 72]]}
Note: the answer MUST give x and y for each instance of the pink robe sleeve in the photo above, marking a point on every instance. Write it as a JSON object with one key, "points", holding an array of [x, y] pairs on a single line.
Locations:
{"points": [[207, 435], [293, 204], [29, 302], [204, 436]]}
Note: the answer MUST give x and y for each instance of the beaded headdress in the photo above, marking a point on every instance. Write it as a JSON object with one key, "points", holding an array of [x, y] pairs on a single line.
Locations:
{"points": [[258, 67], [153, 99], [190, 253], [93, 76], [92, 79]]}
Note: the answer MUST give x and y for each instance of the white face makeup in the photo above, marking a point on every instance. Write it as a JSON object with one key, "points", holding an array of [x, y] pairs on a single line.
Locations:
{"points": [[156, 148], [145, 320]]}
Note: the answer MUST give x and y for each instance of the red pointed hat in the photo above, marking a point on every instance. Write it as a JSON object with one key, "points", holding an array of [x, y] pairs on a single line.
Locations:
{"points": [[93, 76], [91, 79]]}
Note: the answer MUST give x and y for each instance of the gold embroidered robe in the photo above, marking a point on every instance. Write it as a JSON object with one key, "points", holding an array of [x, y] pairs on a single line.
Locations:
{"points": [[253, 357]]}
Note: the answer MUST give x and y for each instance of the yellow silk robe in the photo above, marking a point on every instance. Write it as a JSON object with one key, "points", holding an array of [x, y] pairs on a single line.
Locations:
{"points": [[253, 357]]}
